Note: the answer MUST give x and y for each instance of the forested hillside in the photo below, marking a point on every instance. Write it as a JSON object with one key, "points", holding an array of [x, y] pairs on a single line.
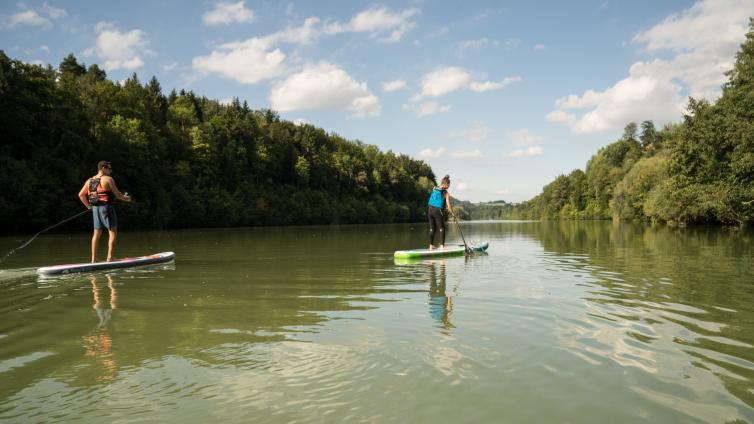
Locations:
{"points": [[188, 161], [700, 170]]}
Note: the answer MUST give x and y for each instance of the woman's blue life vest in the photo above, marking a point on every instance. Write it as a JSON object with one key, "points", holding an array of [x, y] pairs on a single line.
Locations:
{"points": [[437, 198]]}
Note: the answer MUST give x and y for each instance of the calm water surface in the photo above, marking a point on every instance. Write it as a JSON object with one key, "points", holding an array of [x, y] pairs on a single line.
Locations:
{"points": [[560, 322]]}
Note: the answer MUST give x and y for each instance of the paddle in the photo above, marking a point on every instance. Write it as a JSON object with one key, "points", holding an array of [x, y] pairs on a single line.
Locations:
{"points": [[46, 229], [465, 246]]}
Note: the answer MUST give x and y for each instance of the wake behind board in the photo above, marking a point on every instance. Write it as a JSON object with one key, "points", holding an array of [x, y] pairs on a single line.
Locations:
{"points": [[434, 253], [100, 266]]}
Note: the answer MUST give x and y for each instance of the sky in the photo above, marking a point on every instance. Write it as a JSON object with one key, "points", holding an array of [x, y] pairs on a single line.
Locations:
{"points": [[503, 96]]}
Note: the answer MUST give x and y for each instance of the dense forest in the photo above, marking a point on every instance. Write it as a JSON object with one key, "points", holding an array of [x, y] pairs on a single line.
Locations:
{"points": [[700, 170], [188, 161]]}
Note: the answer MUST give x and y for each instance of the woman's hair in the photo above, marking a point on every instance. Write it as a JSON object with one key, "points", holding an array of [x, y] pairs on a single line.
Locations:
{"points": [[445, 181]]}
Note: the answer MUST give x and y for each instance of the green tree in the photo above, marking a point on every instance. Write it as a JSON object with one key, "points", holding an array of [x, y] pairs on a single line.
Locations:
{"points": [[70, 66], [648, 134]]}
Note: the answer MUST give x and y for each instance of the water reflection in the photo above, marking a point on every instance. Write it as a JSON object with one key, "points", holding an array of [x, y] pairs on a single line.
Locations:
{"points": [[440, 304], [672, 303], [98, 344], [601, 322]]}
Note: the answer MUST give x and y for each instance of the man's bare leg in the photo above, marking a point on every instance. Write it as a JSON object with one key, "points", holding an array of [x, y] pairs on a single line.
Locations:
{"points": [[113, 234], [95, 242]]}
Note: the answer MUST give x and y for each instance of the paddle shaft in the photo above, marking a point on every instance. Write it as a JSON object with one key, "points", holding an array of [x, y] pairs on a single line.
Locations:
{"points": [[46, 229], [465, 246]]}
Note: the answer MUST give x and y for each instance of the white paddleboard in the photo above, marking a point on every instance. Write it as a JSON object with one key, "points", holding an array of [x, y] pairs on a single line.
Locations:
{"points": [[114, 264]]}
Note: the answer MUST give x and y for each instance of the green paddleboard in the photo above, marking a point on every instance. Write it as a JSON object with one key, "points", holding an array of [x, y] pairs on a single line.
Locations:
{"points": [[434, 253]]}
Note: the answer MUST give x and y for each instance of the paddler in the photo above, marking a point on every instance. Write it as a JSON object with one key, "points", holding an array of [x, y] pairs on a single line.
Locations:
{"points": [[438, 201], [98, 194]]}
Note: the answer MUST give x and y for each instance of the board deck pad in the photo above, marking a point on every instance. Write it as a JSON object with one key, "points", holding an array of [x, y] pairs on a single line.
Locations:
{"points": [[447, 251], [99, 266]]}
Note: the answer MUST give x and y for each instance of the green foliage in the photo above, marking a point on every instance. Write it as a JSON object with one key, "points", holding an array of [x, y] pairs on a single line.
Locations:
{"points": [[634, 191], [188, 161]]}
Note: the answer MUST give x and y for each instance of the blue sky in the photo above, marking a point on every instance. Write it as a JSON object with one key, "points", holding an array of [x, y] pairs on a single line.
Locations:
{"points": [[503, 96]]}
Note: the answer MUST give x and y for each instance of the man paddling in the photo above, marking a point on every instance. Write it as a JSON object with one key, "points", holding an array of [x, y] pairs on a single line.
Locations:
{"points": [[438, 200], [99, 194]]}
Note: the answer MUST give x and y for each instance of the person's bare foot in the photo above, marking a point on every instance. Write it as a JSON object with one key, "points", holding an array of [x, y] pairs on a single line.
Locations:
{"points": [[442, 246], [109, 259], [431, 247]]}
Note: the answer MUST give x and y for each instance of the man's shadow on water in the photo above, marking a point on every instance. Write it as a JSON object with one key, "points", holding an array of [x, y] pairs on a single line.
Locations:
{"points": [[98, 344], [440, 304]]}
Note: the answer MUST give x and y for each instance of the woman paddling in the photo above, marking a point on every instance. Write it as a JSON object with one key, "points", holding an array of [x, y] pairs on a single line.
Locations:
{"points": [[438, 200]]}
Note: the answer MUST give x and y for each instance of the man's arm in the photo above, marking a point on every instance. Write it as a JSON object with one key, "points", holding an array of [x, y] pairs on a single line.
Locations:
{"points": [[84, 195], [109, 184]]}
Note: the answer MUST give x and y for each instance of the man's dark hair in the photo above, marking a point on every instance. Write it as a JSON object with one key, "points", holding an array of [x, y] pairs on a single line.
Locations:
{"points": [[103, 164]]}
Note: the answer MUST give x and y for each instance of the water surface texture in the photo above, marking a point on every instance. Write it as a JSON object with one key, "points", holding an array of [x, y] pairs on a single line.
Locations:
{"points": [[559, 322]]}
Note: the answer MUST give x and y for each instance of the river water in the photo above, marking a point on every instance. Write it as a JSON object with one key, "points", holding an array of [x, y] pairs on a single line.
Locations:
{"points": [[559, 322]]}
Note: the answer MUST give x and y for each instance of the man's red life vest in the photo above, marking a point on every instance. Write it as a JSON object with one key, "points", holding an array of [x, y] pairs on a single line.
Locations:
{"points": [[98, 195]]}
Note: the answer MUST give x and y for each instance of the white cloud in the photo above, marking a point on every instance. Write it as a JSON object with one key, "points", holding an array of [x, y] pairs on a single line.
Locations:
{"points": [[53, 12], [477, 132], [27, 17], [466, 154], [431, 154], [503, 191], [484, 14], [228, 13], [305, 34], [119, 50], [167, 67], [523, 137], [257, 59], [445, 80], [561, 117], [489, 85], [473, 44], [247, 62], [461, 186], [539, 46], [324, 86], [648, 93], [512, 43], [393, 85], [702, 41], [438, 32], [32, 17], [531, 151], [377, 21], [45, 48], [426, 109]]}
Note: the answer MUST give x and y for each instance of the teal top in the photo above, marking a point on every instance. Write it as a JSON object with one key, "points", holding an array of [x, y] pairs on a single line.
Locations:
{"points": [[437, 198]]}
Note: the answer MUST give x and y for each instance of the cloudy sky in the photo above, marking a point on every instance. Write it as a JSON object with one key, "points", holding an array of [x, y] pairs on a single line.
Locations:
{"points": [[503, 96]]}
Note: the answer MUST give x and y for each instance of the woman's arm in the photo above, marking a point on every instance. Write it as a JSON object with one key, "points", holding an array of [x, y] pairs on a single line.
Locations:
{"points": [[447, 202]]}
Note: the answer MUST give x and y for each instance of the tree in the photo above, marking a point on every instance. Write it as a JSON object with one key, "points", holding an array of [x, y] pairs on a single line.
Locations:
{"points": [[69, 66], [629, 132], [96, 73], [648, 134]]}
